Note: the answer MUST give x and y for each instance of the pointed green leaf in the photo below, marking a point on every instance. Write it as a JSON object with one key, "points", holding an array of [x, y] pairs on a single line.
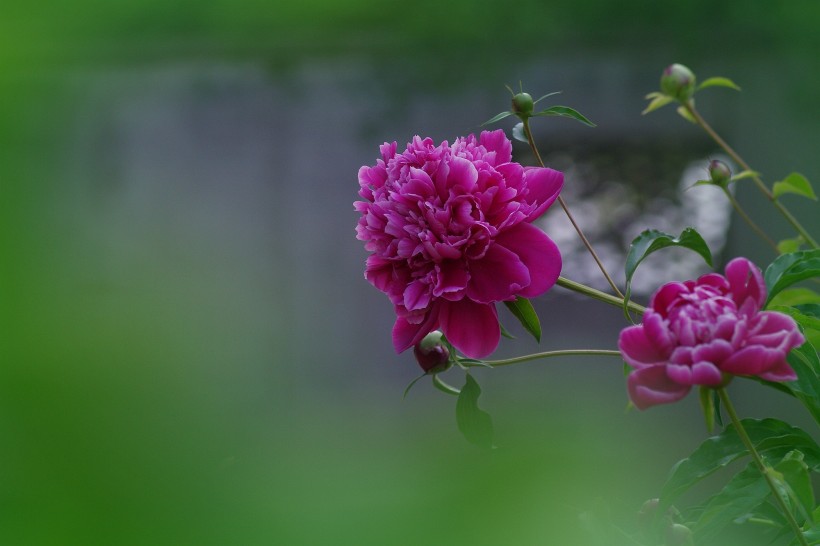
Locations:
{"points": [[745, 491], [523, 310], [652, 240], [787, 246], [410, 386], [795, 297], [684, 113], [567, 112], [658, 101], [474, 423], [789, 269], [539, 99], [806, 364], [771, 437], [497, 117], [794, 183], [795, 481], [718, 82], [518, 133], [744, 174]]}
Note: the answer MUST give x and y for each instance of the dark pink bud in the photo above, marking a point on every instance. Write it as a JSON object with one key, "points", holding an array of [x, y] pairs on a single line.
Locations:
{"points": [[431, 353]]}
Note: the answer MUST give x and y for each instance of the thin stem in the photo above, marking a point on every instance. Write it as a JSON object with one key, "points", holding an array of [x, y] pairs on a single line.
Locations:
{"points": [[550, 354], [744, 436], [690, 107], [749, 221], [598, 295], [578, 229]]}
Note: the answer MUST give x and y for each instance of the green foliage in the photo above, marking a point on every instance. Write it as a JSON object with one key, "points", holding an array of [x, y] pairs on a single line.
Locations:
{"points": [[523, 310], [474, 423], [567, 112], [657, 100], [717, 81], [794, 183], [789, 269], [651, 241]]}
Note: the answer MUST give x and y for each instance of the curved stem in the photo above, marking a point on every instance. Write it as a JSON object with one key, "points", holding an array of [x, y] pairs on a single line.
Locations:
{"points": [[765, 470], [550, 354], [749, 221], [598, 295], [690, 108], [578, 229]]}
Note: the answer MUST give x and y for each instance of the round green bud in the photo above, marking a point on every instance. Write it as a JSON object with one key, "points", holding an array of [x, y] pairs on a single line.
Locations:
{"points": [[719, 172], [678, 82], [522, 104], [431, 353]]}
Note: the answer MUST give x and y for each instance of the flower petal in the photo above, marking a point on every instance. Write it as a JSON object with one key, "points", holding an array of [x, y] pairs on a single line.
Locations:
{"points": [[543, 186], [538, 253], [753, 360], [638, 350], [746, 281], [498, 276], [471, 327], [651, 386], [407, 334]]}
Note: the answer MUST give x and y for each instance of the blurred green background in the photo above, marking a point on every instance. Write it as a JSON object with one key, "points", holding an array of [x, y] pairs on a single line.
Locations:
{"points": [[188, 351]]}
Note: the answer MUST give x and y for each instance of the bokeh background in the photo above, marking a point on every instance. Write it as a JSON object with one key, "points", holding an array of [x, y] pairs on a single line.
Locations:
{"points": [[189, 353]]}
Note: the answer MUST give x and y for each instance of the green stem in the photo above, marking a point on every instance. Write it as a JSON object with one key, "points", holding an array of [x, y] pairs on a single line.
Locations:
{"points": [[749, 221], [598, 295], [578, 229], [690, 108], [764, 470], [550, 354]]}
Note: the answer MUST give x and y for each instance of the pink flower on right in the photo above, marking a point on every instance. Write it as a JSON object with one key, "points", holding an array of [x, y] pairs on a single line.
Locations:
{"points": [[703, 332]]}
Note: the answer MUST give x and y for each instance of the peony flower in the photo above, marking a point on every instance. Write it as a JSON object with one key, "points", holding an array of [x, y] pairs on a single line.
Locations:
{"points": [[703, 332], [450, 232]]}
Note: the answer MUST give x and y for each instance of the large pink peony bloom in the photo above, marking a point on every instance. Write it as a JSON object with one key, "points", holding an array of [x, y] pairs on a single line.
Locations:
{"points": [[449, 229], [701, 332]]}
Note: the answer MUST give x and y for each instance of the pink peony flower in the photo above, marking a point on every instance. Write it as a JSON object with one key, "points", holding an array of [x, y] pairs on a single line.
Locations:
{"points": [[702, 332], [449, 228]]}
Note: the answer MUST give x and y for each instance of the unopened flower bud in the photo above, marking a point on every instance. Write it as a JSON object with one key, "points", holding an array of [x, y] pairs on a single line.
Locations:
{"points": [[678, 535], [431, 353], [678, 82], [647, 514], [522, 104], [719, 172]]}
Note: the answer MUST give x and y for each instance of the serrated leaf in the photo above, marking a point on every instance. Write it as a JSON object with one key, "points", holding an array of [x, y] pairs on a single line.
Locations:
{"points": [[659, 100], [652, 240], [743, 175], [770, 437], [497, 117], [567, 112], [718, 82], [789, 269], [684, 113], [474, 423], [518, 133], [523, 310], [794, 183]]}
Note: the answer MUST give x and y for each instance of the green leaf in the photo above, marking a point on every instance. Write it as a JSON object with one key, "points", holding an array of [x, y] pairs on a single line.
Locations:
{"points": [[497, 117], [794, 183], [789, 269], [795, 482], [658, 100], [525, 313], [410, 386], [795, 296], [745, 491], [539, 99], [806, 364], [567, 112], [718, 82], [771, 437], [504, 331], [684, 113], [787, 246], [444, 387], [474, 423], [518, 133], [707, 404], [744, 174], [652, 240], [807, 316]]}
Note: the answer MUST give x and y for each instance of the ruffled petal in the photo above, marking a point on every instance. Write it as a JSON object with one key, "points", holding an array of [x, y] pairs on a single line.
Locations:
{"points": [[471, 327], [638, 350], [539, 255], [407, 334], [746, 281], [651, 386], [753, 360], [543, 186]]}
